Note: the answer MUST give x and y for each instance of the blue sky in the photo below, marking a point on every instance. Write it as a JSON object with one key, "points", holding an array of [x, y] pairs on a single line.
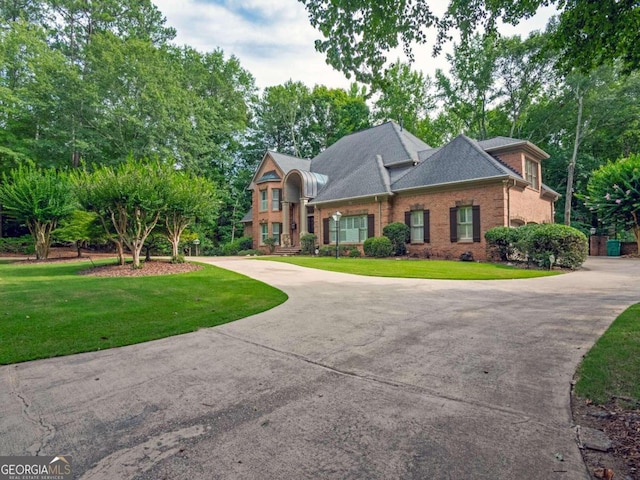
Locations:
{"points": [[274, 40]]}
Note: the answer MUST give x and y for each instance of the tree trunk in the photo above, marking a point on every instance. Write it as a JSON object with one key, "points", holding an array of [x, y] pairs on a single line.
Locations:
{"points": [[120, 248], [174, 241], [572, 164], [175, 227], [41, 236]]}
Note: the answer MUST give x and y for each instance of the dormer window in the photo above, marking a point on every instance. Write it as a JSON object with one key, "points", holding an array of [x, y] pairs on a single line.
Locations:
{"points": [[531, 173]]}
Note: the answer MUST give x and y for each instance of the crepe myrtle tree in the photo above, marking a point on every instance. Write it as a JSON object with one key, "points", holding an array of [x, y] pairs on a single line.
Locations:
{"points": [[132, 197], [39, 198], [188, 198], [614, 193]]}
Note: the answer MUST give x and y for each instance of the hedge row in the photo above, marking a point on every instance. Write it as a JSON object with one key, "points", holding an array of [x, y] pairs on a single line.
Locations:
{"points": [[546, 245]]}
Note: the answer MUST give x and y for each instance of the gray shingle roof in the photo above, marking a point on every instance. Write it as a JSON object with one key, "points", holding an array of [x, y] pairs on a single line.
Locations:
{"points": [[393, 144], [248, 217], [460, 160], [289, 162], [498, 143], [365, 163], [271, 175], [367, 179]]}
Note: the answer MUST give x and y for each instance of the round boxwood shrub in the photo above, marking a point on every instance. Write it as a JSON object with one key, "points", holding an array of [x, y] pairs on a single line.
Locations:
{"points": [[242, 243], [501, 242], [354, 253], [399, 234], [326, 251], [378, 247], [568, 245]]}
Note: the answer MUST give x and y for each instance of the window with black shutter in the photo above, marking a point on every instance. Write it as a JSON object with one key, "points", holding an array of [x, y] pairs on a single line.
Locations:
{"points": [[453, 224], [325, 231]]}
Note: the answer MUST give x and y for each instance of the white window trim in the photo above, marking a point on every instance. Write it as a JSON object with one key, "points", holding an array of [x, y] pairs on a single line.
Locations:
{"points": [[263, 202], [466, 226], [263, 234], [417, 226], [275, 207], [273, 232], [531, 173], [362, 230]]}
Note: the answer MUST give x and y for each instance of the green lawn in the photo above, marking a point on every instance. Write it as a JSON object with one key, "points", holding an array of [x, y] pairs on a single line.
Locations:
{"points": [[612, 367], [437, 269], [48, 310]]}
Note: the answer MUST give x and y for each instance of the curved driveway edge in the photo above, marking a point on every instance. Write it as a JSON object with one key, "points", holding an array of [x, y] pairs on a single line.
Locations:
{"points": [[352, 377]]}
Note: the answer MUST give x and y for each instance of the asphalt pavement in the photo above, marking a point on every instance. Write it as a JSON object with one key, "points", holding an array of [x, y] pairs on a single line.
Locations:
{"points": [[351, 378]]}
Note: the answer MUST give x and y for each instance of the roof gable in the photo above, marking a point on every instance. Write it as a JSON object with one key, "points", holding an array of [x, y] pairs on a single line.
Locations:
{"points": [[368, 179], [499, 144], [460, 160], [393, 144], [284, 163]]}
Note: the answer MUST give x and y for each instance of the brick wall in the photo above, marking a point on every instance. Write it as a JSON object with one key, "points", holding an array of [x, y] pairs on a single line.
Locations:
{"points": [[491, 197], [528, 207], [514, 159], [269, 216]]}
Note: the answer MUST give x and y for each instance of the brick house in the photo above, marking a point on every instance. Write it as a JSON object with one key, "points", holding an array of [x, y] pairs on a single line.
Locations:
{"points": [[448, 196]]}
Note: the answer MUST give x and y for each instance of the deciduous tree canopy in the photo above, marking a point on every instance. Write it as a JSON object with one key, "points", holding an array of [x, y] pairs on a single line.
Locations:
{"points": [[359, 33]]}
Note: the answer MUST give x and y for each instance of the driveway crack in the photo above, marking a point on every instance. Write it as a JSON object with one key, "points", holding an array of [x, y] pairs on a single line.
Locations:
{"points": [[521, 416], [48, 430]]}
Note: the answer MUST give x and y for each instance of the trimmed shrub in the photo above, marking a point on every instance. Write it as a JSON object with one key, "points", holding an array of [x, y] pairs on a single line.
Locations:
{"points": [[378, 247], [354, 253], [22, 245], [568, 245], [330, 250], [501, 243], [308, 243], [242, 243], [400, 235], [326, 251], [270, 243]]}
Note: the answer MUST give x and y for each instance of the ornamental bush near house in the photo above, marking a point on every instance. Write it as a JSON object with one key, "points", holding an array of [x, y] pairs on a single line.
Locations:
{"points": [[354, 253], [308, 243], [242, 243], [399, 234], [330, 250], [377, 247], [568, 245], [326, 251], [500, 243], [537, 243], [270, 243]]}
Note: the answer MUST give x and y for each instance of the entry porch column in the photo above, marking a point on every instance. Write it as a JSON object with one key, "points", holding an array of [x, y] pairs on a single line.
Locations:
{"points": [[303, 216]]}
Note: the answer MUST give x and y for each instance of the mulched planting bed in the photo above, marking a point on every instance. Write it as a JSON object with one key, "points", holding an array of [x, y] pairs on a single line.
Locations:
{"points": [[148, 268], [620, 421]]}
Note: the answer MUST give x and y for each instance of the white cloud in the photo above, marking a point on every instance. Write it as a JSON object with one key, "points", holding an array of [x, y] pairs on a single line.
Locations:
{"points": [[275, 42], [272, 39]]}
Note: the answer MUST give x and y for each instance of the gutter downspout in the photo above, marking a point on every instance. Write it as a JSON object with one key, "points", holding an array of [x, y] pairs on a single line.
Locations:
{"points": [[379, 215], [509, 200]]}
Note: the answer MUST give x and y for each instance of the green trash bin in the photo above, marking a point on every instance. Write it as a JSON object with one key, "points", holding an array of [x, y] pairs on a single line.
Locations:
{"points": [[613, 248]]}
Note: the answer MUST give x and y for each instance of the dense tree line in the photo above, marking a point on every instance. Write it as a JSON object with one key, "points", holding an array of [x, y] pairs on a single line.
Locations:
{"points": [[87, 85]]}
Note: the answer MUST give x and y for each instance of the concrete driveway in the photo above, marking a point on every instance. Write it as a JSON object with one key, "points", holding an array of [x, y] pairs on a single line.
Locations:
{"points": [[351, 378]]}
